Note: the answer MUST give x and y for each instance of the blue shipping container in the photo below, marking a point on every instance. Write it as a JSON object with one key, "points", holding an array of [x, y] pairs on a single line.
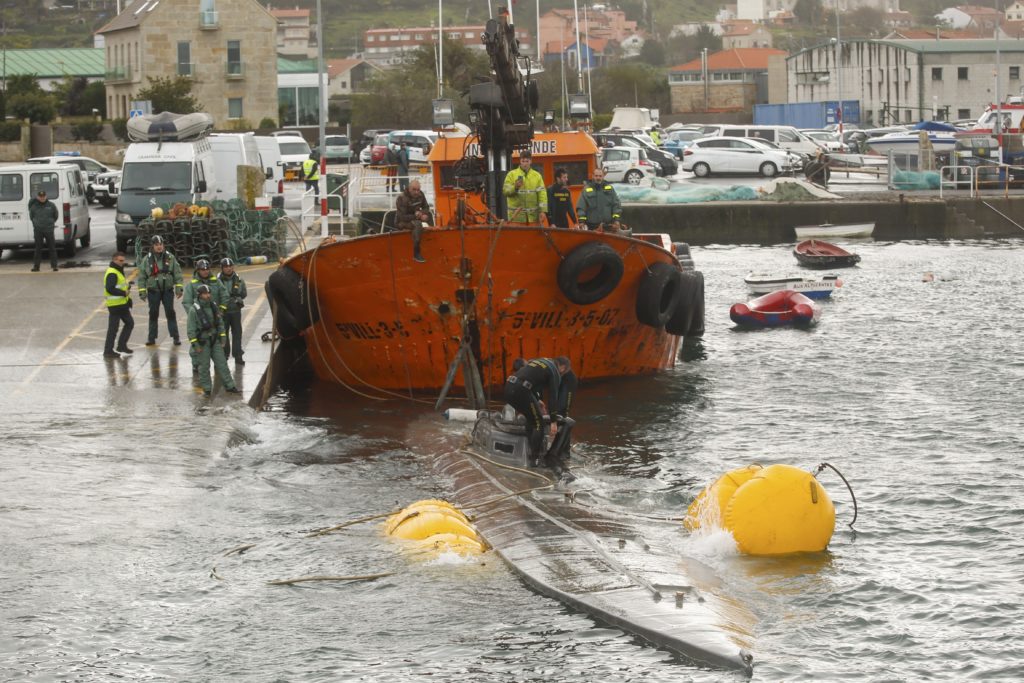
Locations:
{"points": [[805, 114]]}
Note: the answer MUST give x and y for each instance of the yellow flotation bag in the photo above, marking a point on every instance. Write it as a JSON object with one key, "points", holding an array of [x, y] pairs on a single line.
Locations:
{"points": [[436, 524], [778, 509], [708, 509]]}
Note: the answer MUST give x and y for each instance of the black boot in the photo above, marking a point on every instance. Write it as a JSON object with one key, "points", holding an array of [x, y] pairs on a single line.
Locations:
{"points": [[416, 246]]}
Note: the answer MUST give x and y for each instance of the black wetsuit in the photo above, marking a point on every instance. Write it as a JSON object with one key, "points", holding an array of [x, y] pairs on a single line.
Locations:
{"points": [[524, 389]]}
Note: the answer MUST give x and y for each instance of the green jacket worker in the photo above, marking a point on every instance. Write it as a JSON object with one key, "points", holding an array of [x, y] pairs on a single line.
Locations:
{"points": [[599, 204], [44, 216], [203, 276], [236, 291], [206, 334], [160, 282], [525, 194]]}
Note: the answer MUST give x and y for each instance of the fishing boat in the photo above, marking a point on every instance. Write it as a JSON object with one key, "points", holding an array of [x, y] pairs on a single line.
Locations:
{"points": [[811, 287], [776, 309], [599, 564], [815, 253], [373, 318], [831, 230]]}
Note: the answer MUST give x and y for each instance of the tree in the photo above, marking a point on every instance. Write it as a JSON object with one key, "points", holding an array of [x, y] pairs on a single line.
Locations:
{"points": [[22, 84], [37, 107], [809, 12], [170, 94], [652, 52], [682, 48], [629, 84], [863, 22], [78, 97]]}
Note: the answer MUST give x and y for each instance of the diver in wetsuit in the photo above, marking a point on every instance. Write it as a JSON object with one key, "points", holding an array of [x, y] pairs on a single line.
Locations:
{"points": [[524, 390]]}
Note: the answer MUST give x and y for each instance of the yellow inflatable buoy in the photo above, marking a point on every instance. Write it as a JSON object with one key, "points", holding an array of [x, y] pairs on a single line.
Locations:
{"points": [[708, 509], [437, 524], [778, 509]]}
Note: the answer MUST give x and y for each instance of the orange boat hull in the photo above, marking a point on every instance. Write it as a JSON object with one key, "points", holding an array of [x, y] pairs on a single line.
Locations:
{"points": [[386, 321]]}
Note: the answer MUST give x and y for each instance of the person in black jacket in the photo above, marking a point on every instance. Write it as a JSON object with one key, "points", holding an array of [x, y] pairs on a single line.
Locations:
{"points": [[524, 391], [43, 214], [560, 210], [116, 290]]}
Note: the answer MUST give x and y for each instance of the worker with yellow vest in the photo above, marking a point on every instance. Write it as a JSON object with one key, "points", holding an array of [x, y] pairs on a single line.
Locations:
{"points": [[525, 193], [311, 174], [119, 307]]}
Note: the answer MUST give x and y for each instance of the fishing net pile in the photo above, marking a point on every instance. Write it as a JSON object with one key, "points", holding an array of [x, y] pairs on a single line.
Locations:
{"points": [[915, 180]]}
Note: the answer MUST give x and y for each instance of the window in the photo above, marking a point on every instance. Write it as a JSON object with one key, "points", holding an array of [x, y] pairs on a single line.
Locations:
{"points": [[44, 181], [370, 39], [908, 116], [616, 155], [184, 58], [12, 187], [963, 113], [961, 73], [419, 36], [234, 107], [1014, 73], [936, 73], [234, 57]]}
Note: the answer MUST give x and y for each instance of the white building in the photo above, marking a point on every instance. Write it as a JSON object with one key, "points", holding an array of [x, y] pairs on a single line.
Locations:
{"points": [[905, 80]]}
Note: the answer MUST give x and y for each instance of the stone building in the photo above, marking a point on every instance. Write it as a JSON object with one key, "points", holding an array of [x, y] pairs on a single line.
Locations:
{"points": [[734, 81], [901, 81], [227, 48], [295, 35]]}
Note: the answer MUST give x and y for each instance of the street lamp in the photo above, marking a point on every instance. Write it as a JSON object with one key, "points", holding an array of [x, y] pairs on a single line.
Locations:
{"points": [[839, 73]]}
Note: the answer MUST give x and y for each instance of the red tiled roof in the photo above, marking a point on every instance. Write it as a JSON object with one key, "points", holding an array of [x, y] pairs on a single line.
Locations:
{"points": [[738, 59], [929, 34], [340, 66]]}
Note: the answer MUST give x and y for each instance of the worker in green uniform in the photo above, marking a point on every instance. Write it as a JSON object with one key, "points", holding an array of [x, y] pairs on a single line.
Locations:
{"points": [[160, 283], [525, 194], [202, 276], [599, 207], [234, 288], [206, 333]]}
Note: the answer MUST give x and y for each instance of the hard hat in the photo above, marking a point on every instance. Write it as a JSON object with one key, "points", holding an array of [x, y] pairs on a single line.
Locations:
{"points": [[157, 239], [202, 264], [203, 289], [226, 262]]}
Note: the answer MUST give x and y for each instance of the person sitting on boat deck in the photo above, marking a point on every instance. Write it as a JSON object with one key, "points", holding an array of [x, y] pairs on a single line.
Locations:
{"points": [[525, 194], [599, 206], [523, 391], [206, 333], [412, 212], [560, 211]]}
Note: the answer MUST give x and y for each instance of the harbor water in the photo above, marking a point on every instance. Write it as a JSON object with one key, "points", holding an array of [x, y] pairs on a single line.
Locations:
{"points": [[118, 529]]}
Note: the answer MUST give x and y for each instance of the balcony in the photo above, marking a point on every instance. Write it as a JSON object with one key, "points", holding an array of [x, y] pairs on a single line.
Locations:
{"points": [[187, 69], [209, 20], [118, 74], [234, 71]]}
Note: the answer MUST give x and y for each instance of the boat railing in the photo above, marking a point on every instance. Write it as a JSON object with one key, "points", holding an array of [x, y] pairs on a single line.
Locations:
{"points": [[1002, 176]]}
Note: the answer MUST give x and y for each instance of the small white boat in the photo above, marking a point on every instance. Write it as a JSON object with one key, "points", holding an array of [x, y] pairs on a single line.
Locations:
{"points": [[826, 230], [905, 143], [811, 287], [169, 127]]}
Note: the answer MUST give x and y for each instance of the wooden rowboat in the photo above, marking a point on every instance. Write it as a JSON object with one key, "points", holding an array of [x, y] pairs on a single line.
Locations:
{"points": [[804, 232], [816, 253]]}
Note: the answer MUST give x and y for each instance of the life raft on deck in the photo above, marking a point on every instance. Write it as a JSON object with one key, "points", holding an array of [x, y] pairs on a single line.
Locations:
{"points": [[169, 127]]}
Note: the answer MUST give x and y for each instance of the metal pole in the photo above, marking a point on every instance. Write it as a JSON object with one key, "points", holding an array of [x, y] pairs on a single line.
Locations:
{"points": [[998, 127], [579, 59], [839, 72], [538, 33], [322, 108], [440, 51], [590, 63]]}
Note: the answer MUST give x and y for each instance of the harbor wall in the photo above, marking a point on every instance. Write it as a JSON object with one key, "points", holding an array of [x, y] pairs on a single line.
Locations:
{"points": [[758, 222]]}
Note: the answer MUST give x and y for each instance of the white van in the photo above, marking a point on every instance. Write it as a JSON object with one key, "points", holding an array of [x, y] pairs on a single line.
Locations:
{"points": [[294, 150], [270, 155], [418, 142], [786, 137], [231, 151], [157, 173], [64, 187]]}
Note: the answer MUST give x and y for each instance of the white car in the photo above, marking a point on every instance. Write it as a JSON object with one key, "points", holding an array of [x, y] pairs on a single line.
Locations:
{"points": [[89, 167], [721, 154], [827, 139], [107, 187], [627, 165]]}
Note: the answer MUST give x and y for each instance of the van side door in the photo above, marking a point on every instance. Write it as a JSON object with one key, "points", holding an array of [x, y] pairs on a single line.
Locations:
{"points": [[15, 226]]}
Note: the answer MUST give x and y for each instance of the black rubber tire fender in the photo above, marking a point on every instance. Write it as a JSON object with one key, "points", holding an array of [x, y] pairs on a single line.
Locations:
{"points": [[659, 294], [688, 318], [585, 258]]}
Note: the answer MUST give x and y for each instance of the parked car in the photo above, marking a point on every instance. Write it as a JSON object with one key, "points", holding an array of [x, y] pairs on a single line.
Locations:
{"points": [[723, 155], [337, 149], [827, 139], [627, 165], [107, 187], [417, 142], [787, 137], [90, 167], [365, 155], [287, 133], [666, 160], [379, 147], [365, 140], [678, 140]]}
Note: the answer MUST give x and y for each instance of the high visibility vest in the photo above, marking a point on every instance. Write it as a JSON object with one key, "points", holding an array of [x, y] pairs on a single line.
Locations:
{"points": [[310, 165], [122, 284]]}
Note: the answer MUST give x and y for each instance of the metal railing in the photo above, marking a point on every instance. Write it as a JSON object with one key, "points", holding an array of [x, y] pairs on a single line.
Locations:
{"points": [[312, 211], [118, 73]]}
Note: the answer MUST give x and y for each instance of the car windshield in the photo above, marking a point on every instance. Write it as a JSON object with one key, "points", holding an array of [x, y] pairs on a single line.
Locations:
{"points": [[296, 147], [157, 175], [337, 140]]}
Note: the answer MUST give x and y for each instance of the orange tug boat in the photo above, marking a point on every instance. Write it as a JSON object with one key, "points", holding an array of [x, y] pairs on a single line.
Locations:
{"points": [[372, 318]]}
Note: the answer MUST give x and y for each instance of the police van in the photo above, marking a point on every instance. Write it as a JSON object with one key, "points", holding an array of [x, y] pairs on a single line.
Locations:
{"points": [[64, 186]]}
